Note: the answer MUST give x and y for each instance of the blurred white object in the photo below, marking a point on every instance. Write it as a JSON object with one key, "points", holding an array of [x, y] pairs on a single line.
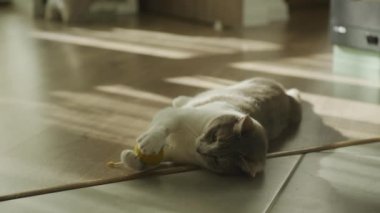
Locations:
{"points": [[218, 25], [261, 12], [80, 10]]}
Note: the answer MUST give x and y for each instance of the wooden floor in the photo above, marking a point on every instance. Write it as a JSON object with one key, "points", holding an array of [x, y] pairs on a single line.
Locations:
{"points": [[71, 98]]}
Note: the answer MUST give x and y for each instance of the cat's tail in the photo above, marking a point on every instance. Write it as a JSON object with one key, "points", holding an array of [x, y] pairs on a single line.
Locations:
{"points": [[295, 106]]}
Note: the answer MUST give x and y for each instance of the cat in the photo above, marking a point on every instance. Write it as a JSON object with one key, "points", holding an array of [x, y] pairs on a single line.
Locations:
{"points": [[226, 130]]}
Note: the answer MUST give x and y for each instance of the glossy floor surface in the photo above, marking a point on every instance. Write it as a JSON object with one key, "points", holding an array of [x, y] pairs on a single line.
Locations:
{"points": [[72, 97]]}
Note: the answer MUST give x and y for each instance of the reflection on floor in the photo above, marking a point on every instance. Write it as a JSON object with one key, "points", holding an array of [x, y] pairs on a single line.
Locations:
{"points": [[153, 43], [71, 98], [301, 71]]}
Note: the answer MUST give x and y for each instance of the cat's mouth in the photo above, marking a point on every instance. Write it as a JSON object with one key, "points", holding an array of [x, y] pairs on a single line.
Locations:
{"points": [[213, 159], [219, 164], [208, 157], [212, 162]]}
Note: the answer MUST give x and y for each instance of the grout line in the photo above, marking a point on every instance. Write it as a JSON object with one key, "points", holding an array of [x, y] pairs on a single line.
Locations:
{"points": [[183, 168], [284, 184], [161, 170]]}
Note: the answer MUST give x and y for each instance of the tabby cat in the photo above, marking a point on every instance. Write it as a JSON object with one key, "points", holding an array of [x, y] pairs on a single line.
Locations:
{"points": [[226, 130]]}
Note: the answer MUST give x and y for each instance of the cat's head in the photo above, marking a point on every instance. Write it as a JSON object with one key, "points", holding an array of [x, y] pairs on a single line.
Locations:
{"points": [[230, 144]]}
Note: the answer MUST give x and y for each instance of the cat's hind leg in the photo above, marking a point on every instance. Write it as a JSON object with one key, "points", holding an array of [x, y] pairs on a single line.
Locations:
{"points": [[180, 101]]}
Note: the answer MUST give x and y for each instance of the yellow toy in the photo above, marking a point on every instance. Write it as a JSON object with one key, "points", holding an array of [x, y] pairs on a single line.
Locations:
{"points": [[149, 160]]}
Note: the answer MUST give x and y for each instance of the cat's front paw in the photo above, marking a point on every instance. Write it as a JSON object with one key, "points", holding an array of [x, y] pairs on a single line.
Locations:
{"points": [[131, 160], [152, 143]]}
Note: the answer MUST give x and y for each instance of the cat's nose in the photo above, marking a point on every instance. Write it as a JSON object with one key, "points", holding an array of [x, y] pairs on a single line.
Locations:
{"points": [[199, 150], [202, 150]]}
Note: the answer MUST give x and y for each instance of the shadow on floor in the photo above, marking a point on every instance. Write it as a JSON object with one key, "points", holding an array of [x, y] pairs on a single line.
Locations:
{"points": [[312, 131]]}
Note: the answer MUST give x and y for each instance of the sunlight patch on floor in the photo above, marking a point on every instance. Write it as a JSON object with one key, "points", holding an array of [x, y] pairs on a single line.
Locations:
{"points": [[131, 92], [349, 109], [98, 115], [102, 104], [112, 45], [296, 71], [200, 81], [154, 43], [216, 45], [351, 132]]}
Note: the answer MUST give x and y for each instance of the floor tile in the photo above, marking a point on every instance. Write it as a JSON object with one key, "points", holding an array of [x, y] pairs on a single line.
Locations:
{"points": [[54, 157], [198, 191], [345, 180]]}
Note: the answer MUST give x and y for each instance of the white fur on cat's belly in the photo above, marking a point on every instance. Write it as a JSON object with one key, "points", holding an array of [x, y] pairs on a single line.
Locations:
{"points": [[181, 147], [217, 105], [181, 143], [177, 130], [231, 91]]}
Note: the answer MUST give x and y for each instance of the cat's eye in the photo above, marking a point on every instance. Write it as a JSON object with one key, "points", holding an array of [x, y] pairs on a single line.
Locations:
{"points": [[214, 137]]}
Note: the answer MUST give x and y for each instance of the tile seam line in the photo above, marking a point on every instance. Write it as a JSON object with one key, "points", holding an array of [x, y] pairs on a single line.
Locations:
{"points": [[284, 185]]}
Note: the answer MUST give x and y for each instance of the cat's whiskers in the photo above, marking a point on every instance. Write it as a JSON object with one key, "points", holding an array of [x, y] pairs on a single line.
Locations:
{"points": [[114, 164]]}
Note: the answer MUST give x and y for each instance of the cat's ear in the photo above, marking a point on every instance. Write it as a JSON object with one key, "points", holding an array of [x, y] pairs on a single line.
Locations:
{"points": [[250, 168], [244, 125]]}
